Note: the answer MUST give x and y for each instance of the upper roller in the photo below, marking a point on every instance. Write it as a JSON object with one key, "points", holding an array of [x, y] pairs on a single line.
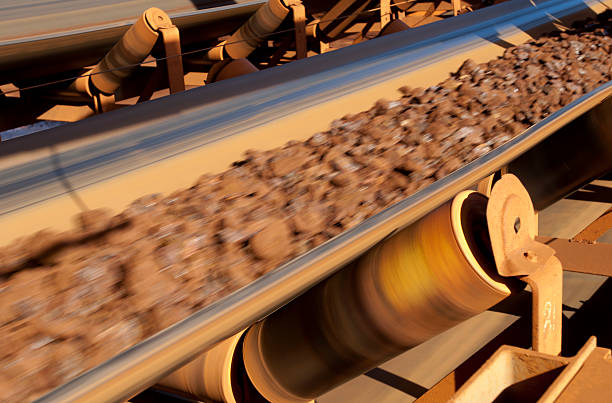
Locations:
{"points": [[134, 46], [261, 24]]}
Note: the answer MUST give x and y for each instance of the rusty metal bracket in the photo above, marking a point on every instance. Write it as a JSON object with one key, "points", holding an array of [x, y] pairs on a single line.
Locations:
{"points": [[174, 61], [385, 12], [299, 21], [546, 288], [583, 253], [512, 228], [323, 47], [456, 6], [507, 374], [486, 185]]}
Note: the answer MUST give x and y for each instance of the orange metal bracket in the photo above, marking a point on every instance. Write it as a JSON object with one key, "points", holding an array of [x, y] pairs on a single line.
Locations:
{"points": [[299, 20], [385, 12], [456, 6], [546, 288], [174, 61], [512, 228], [582, 257], [584, 377]]}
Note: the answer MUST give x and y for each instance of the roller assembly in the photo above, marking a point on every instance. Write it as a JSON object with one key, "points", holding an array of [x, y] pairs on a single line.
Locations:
{"points": [[122, 60], [264, 22], [412, 286], [454, 263]]}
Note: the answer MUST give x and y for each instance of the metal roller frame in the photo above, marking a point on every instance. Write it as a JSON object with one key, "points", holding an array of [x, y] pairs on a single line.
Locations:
{"points": [[55, 40]]}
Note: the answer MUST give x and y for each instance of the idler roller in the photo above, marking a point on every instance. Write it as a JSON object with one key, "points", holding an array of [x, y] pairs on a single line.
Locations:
{"points": [[252, 33], [410, 287], [135, 45], [216, 375]]}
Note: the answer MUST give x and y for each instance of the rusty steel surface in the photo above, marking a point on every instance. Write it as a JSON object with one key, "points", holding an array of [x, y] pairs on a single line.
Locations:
{"points": [[592, 382], [587, 304], [546, 288], [520, 374], [158, 356], [516, 373], [582, 257], [512, 228], [596, 229], [504, 372]]}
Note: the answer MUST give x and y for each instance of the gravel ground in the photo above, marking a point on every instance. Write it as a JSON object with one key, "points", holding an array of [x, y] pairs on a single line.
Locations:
{"points": [[72, 300]]}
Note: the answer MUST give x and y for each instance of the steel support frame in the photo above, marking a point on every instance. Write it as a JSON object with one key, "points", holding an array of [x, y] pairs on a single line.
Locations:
{"points": [[580, 254]]}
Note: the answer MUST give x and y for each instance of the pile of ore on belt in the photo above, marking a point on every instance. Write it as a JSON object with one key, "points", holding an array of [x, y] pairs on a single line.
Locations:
{"points": [[73, 300]]}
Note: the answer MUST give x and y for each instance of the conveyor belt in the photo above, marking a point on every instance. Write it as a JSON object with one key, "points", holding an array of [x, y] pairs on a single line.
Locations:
{"points": [[35, 170], [113, 154]]}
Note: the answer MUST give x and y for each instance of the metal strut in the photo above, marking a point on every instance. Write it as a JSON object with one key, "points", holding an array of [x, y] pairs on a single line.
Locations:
{"points": [[299, 21]]}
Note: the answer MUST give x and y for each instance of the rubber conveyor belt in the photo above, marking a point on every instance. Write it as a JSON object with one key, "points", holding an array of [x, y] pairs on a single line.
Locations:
{"points": [[117, 152], [126, 146]]}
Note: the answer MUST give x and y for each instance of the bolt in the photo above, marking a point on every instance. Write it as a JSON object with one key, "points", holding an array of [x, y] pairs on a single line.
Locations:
{"points": [[517, 224], [529, 255]]}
